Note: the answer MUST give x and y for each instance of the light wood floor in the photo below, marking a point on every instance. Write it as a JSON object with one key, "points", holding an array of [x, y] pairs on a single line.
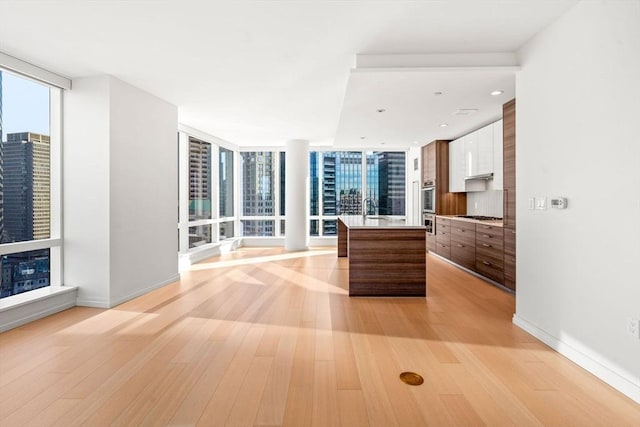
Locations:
{"points": [[262, 337]]}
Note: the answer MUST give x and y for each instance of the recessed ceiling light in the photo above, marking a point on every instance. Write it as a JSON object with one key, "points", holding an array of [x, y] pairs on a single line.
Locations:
{"points": [[381, 110], [437, 93], [363, 137], [497, 92], [444, 125], [382, 143]]}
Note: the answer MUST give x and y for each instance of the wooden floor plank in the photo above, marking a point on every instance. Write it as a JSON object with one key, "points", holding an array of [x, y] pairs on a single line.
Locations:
{"points": [[266, 337]]}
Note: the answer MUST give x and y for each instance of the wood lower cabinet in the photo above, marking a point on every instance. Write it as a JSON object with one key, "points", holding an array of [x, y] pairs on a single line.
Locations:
{"points": [[510, 258], [443, 237], [490, 252], [463, 243]]}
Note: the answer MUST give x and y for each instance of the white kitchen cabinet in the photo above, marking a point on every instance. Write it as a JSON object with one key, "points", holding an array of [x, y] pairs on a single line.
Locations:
{"points": [[497, 183], [485, 150], [478, 151], [458, 168]]}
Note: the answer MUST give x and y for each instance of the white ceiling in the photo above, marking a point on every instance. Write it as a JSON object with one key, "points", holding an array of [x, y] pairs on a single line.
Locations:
{"points": [[262, 72]]}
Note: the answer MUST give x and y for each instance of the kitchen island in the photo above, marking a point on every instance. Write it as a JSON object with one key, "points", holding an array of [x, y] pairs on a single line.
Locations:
{"points": [[386, 256]]}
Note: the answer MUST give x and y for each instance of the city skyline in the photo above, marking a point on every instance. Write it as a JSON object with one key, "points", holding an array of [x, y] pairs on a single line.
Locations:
{"points": [[24, 182]]}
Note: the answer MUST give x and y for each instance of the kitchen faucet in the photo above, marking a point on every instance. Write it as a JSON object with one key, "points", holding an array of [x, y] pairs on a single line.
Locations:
{"points": [[364, 206]]}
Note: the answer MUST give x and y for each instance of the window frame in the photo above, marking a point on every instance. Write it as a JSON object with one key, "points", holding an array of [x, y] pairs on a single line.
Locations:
{"points": [[54, 243]]}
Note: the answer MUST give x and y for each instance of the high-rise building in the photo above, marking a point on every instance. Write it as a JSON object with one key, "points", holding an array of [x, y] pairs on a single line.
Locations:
{"points": [[199, 179], [391, 182], [26, 187], [1, 171], [258, 171]]}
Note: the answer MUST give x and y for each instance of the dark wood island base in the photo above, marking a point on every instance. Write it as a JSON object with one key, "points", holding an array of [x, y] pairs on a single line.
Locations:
{"points": [[386, 257]]}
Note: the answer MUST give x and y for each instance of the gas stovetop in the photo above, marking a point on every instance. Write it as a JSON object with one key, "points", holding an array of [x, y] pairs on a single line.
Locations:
{"points": [[480, 217]]}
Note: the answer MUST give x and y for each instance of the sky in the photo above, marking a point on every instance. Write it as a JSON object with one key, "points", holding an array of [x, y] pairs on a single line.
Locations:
{"points": [[25, 106]]}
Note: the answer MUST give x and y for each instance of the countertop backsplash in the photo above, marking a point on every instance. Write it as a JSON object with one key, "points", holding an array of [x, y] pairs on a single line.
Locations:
{"points": [[487, 203]]}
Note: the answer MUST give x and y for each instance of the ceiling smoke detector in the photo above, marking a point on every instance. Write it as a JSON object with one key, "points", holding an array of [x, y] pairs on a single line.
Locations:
{"points": [[496, 93], [381, 110]]}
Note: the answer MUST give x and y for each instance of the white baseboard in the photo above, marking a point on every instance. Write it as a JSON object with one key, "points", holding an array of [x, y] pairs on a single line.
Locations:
{"points": [[24, 308], [139, 292], [185, 260], [586, 358]]}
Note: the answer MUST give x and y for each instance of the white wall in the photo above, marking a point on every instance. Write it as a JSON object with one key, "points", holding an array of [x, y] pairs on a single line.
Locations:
{"points": [[86, 189], [120, 207], [143, 192], [578, 124]]}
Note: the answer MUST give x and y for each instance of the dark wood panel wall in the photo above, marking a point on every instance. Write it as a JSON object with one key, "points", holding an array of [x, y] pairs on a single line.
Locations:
{"points": [[446, 203], [509, 176]]}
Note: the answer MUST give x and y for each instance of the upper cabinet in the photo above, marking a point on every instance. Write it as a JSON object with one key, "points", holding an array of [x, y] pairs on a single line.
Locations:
{"points": [[478, 154], [497, 156], [478, 150], [429, 165], [456, 166]]}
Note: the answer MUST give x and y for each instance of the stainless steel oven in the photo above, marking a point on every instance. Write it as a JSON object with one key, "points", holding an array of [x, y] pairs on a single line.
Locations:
{"points": [[429, 199]]}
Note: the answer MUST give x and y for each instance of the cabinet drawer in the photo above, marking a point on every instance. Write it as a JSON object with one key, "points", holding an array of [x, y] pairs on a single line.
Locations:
{"points": [[443, 221], [489, 241], [492, 256], [510, 242], [443, 231], [463, 255], [463, 227], [489, 229], [464, 239], [443, 249], [487, 269]]}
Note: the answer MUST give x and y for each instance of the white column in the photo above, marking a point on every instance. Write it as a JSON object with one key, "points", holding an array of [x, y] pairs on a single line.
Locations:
{"points": [[297, 195]]}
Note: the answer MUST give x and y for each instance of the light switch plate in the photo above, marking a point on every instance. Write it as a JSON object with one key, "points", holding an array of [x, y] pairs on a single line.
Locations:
{"points": [[541, 203]]}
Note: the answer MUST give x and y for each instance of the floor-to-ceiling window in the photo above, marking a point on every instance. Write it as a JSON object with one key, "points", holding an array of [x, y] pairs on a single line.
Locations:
{"points": [[262, 193], [207, 188], [29, 185], [337, 180], [225, 183]]}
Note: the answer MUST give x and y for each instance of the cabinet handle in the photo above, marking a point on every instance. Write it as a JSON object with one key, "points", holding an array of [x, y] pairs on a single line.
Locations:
{"points": [[461, 230], [486, 263], [487, 236], [486, 245], [487, 227], [460, 246]]}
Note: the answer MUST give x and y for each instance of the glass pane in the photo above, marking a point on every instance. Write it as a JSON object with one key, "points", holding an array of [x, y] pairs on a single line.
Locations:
{"points": [[226, 183], [342, 183], [258, 227], [314, 183], [199, 179], [330, 227], [199, 235], [390, 185], [283, 156], [24, 271], [257, 183], [226, 230], [282, 227], [313, 228], [25, 201]]}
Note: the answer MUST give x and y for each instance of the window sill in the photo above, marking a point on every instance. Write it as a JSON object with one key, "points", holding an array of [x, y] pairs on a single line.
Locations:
{"points": [[19, 309]]}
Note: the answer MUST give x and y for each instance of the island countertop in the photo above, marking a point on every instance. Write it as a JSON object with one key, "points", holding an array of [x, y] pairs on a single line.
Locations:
{"points": [[375, 221]]}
